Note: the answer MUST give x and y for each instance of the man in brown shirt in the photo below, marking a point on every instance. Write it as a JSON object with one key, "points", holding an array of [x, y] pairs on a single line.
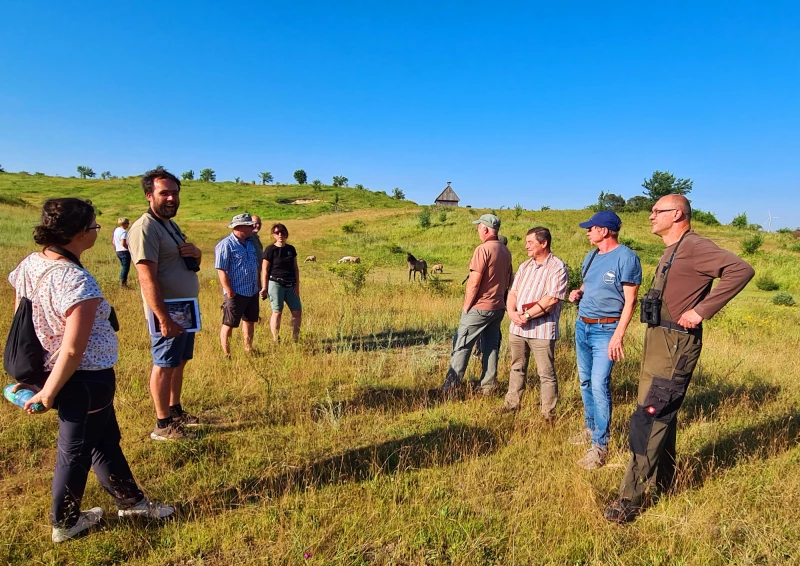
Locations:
{"points": [[490, 275], [672, 344]]}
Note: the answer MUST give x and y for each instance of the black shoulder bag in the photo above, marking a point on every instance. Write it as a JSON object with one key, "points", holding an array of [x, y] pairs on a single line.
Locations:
{"points": [[189, 261]]}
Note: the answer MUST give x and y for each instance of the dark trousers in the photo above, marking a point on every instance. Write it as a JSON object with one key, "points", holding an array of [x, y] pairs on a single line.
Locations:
{"points": [[668, 360], [125, 260], [88, 437]]}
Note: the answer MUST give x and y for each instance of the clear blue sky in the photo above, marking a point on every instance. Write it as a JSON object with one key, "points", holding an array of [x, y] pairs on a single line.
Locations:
{"points": [[541, 103]]}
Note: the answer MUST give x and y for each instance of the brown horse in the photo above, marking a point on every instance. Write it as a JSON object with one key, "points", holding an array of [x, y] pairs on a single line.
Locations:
{"points": [[415, 265]]}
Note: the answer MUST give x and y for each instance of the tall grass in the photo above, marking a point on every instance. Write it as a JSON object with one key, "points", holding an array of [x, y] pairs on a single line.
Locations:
{"points": [[335, 446]]}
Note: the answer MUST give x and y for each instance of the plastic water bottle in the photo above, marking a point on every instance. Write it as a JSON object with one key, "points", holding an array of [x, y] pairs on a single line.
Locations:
{"points": [[20, 397]]}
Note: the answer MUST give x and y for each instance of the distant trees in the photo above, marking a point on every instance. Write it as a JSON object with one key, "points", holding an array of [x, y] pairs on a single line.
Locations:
{"points": [[85, 172], [266, 177], [740, 221], [208, 175], [301, 177], [638, 203], [2, 170], [340, 181], [359, 186], [517, 211], [610, 201], [424, 218], [664, 183], [105, 175], [398, 194], [317, 184], [188, 175]]}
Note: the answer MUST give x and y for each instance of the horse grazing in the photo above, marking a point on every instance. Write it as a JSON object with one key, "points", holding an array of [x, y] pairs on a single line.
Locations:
{"points": [[350, 259], [415, 265], [438, 268]]}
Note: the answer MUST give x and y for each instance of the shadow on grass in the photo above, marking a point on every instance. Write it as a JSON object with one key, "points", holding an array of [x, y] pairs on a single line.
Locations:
{"points": [[441, 447], [375, 398], [760, 441], [386, 340]]}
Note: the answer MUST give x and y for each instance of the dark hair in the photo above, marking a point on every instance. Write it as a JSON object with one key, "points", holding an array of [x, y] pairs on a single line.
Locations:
{"points": [[62, 220], [149, 178], [280, 227], [542, 234]]}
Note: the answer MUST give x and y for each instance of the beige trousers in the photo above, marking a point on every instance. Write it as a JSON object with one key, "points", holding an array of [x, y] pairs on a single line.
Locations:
{"points": [[544, 356]]}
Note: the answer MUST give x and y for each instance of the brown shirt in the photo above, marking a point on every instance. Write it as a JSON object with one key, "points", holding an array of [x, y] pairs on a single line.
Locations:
{"points": [[698, 262], [493, 261]]}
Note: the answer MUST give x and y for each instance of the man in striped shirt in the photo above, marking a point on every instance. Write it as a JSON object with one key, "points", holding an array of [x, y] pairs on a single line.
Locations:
{"points": [[238, 266], [534, 306]]}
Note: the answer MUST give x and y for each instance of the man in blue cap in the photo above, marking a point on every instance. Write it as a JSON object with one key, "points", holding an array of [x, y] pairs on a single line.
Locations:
{"points": [[611, 277]]}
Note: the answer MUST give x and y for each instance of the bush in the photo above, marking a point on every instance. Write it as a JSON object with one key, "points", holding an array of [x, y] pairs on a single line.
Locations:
{"points": [[395, 249], [795, 247], [352, 227], [705, 217], [767, 283], [785, 231], [443, 216], [740, 221], [12, 201], [783, 299], [353, 276], [750, 245], [436, 285], [424, 218], [515, 238], [574, 280]]}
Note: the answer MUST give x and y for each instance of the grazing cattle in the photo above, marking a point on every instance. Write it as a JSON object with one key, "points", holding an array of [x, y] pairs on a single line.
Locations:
{"points": [[350, 259], [310, 258], [415, 265], [438, 268]]}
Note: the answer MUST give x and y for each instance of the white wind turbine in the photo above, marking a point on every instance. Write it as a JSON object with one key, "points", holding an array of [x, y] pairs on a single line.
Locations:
{"points": [[769, 221]]}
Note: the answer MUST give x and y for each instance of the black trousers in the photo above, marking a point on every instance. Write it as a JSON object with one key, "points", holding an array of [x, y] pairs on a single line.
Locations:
{"points": [[88, 437]]}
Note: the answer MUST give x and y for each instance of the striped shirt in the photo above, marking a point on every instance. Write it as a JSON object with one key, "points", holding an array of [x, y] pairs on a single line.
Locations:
{"points": [[240, 262], [533, 282]]}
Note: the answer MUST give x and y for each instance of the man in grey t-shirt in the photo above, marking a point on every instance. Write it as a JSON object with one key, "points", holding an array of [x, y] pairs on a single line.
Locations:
{"points": [[166, 264]]}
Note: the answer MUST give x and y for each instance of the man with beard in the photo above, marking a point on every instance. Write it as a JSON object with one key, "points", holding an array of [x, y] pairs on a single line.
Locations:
{"points": [[167, 266]]}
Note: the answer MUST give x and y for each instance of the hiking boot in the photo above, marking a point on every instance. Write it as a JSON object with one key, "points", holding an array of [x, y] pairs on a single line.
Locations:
{"points": [[184, 418], [86, 520], [581, 438], [505, 409], [173, 431], [148, 509], [622, 511], [595, 458]]}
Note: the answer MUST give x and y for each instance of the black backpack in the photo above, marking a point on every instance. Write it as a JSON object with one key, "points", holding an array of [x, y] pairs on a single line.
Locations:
{"points": [[23, 358]]}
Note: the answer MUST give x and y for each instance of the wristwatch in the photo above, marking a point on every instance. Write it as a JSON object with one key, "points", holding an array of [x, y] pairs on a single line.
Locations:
{"points": [[525, 315]]}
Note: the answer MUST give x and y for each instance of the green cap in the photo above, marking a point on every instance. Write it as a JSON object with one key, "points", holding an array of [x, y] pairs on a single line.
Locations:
{"points": [[488, 220]]}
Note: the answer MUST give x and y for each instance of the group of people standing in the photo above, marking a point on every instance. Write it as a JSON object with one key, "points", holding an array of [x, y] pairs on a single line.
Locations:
{"points": [[611, 275]]}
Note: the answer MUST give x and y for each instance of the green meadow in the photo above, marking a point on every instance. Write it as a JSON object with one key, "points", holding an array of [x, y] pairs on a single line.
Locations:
{"points": [[334, 450]]}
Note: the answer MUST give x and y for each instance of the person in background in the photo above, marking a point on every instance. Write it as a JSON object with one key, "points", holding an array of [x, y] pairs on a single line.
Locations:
{"points": [[280, 281], [120, 239], [256, 239], [534, 307], [237, 266], [611, 277], [674, 309], [71, 320], [167, 266]]}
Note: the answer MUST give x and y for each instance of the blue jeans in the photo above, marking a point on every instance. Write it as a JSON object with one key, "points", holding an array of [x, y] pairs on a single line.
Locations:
{"points": [[125, 261], [594, 371]]}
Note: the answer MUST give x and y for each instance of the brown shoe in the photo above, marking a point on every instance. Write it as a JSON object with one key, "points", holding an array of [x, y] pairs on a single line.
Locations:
{"points": [[505, 410], [595, 458], [185, 419], [549, 419], [173, 431]]}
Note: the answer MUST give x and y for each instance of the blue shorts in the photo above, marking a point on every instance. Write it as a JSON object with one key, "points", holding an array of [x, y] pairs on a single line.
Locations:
{"points": [[278, 295], [170, 352]]}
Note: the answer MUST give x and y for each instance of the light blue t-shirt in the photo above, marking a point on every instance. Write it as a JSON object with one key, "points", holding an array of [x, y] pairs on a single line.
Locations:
{"points": [[602, 286]]}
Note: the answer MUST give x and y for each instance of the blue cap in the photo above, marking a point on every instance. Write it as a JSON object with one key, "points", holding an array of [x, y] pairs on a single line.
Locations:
{"points": [[604, 219]]}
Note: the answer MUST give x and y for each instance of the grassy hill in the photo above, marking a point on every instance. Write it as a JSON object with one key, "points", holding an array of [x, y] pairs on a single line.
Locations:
{"points": [[333, 451], [199, 200]]}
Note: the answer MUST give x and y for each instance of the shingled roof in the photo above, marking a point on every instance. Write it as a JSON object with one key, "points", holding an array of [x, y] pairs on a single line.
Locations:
{"points": [[448, 194]]}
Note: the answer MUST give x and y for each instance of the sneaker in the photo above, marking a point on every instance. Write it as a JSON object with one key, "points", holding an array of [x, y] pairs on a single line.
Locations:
{"points": [[595, 458], [86, 520], [173, 431], [147, 508], [506, 409], [185, 419], [581, 438], [622, 511]]}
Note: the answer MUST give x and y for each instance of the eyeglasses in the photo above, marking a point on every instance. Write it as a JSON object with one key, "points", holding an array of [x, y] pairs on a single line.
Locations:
{"points": [[96, 228], [278, 233], [658, 211]]}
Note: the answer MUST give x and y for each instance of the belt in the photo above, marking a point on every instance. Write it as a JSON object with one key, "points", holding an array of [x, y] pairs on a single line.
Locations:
{"points": [[607, 320]]}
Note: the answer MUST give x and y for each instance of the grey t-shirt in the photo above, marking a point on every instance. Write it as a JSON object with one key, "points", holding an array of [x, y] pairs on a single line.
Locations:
{"points": [[149, 240]]}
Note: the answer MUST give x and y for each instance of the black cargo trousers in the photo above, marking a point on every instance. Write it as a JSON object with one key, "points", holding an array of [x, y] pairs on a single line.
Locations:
{"points": [[668, 360]]}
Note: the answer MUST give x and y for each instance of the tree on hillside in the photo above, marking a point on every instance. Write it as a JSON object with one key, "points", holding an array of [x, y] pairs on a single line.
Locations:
{"points": [[664, 183], [518, 211], [84, 172], [2, 170], [340, 181], [301, 177], [317, 184], [610, 201], [359, 186], [237, 180], [105, 175], [397, 194], [266, 177], [188, 175], [638, 203], [207, 175]]}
